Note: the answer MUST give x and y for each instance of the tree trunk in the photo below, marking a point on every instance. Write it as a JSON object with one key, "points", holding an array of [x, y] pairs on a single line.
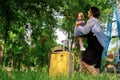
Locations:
{"points": [[1, 52], [6, 28]]}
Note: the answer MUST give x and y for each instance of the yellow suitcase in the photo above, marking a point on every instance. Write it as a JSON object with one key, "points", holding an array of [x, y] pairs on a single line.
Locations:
{"points": [[61, 63]]}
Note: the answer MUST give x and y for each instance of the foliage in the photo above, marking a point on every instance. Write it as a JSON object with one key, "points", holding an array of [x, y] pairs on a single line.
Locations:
{"points": [[14, 14], [71, 8]]}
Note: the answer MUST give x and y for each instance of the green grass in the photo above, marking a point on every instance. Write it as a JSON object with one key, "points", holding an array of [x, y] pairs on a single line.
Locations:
{"points": [[37, 75]]}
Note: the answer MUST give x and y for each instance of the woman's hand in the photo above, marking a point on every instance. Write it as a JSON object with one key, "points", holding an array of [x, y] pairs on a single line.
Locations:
{"points": [[78, 23]]}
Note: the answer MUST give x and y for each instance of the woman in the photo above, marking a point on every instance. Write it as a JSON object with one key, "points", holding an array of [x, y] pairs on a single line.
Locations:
{"points": [[91, 58]]}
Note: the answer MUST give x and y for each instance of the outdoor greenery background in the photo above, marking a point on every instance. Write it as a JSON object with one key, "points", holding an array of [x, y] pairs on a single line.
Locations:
{"points": [[14, 14]]}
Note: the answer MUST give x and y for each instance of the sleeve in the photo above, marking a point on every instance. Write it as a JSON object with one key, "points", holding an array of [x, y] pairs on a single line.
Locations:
{"points": [[86, 29]]}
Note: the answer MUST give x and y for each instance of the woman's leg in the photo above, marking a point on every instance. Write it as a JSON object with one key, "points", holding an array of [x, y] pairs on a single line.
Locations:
{"points": [[90, 68]]}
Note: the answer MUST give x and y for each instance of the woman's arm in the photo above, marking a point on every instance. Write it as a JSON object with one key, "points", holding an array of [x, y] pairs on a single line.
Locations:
{"points": [[79, 22], [86, 29]]}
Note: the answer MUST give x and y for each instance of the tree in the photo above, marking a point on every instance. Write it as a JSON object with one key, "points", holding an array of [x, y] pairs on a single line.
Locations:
{"points": [[14, 16], [40, 14], [71, 8]]}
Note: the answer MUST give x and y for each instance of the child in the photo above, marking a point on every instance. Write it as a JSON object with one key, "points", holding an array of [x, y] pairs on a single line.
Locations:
{"points": [[79, 23]]}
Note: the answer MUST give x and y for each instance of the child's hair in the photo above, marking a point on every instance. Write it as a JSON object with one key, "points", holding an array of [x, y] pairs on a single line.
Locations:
{"points": [[81, 15]]}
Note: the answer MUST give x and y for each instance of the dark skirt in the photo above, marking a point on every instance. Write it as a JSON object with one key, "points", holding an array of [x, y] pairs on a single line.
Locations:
{"points": [[93, 53]]}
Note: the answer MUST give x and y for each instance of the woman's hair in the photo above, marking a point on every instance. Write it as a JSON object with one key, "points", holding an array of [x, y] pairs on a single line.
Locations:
{"points": [[95, 11]]}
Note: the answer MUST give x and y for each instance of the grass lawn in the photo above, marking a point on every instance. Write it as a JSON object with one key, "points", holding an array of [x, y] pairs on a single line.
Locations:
{"points": [[37, 75]]}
